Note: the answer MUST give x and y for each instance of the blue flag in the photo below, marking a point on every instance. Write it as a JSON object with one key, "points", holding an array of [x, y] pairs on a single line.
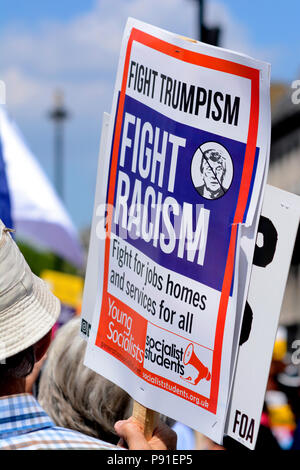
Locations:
{"points": [[5, 205]]}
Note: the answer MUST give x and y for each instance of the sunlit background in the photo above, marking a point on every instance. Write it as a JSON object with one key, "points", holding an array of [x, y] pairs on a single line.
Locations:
{"points": [[58, 61], [73, 46], [63, 55]]}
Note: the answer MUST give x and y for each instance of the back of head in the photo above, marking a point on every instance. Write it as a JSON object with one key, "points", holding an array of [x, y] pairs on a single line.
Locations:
{"points": [[28, 310], [76, 397]]}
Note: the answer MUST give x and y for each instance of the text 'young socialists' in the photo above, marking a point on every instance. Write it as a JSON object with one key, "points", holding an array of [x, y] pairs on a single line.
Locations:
{"points": [[120, 332], [147, 180]]}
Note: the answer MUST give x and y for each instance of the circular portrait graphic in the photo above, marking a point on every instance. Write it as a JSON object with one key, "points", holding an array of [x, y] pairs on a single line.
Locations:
{"points": [[212, 170]]}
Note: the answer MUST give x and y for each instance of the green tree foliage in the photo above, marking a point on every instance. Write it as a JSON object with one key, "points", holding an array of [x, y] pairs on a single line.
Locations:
{"points": [[41, 260]]}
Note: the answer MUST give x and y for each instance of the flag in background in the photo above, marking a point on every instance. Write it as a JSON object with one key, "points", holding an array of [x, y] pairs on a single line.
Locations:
{"points": [[28, 200], [5, 208]]}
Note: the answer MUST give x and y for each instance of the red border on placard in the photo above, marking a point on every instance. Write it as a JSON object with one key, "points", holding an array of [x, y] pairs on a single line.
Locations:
{"points": [[221, 65]]}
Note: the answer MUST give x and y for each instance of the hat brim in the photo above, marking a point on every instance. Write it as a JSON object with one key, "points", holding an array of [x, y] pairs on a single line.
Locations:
{"points": [[26, 322]]}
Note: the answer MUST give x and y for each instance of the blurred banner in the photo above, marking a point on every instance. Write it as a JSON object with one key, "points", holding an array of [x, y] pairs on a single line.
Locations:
{"points": [[37, 212], [68, 289]]}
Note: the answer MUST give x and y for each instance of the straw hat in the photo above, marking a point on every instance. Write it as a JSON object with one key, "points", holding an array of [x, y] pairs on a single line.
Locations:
{"points": [[28, 310]]}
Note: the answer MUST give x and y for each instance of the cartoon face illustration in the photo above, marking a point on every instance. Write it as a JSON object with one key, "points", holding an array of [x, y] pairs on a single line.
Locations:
{"points": [[211, 170]]}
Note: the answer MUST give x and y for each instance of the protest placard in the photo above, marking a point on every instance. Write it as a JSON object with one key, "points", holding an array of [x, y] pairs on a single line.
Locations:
{"points": [[275, 242], [93, 287], [187, 147]]}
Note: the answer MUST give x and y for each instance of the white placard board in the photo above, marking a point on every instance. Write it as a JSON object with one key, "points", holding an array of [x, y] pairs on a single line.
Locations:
{"points": [[276, 236], [188, 151]]}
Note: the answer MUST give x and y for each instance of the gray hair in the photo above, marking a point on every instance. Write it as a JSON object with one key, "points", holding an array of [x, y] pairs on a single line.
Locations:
{"points": [[76, 397]]}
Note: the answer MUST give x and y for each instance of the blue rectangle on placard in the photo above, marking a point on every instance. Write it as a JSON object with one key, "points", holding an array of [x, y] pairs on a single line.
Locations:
{"points": [[218, 159]]}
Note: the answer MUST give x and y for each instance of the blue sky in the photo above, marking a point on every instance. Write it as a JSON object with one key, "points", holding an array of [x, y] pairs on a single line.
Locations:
{"points": [[31, 12], [74, 45]]}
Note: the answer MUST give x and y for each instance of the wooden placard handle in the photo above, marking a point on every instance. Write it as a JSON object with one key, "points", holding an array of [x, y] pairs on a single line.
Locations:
{"points": [[188, 39], [147, 418]]}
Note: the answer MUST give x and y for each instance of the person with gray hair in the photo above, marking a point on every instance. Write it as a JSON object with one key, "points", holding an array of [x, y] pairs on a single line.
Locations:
{"points": [[28, 311], [73, 395]]}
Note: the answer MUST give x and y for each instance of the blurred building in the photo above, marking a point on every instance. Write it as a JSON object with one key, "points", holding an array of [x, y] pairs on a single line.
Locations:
{"points": [[284, 173]]}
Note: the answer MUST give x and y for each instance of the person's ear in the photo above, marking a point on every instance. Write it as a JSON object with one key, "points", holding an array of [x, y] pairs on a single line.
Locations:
{"points": [[42, 346]]}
